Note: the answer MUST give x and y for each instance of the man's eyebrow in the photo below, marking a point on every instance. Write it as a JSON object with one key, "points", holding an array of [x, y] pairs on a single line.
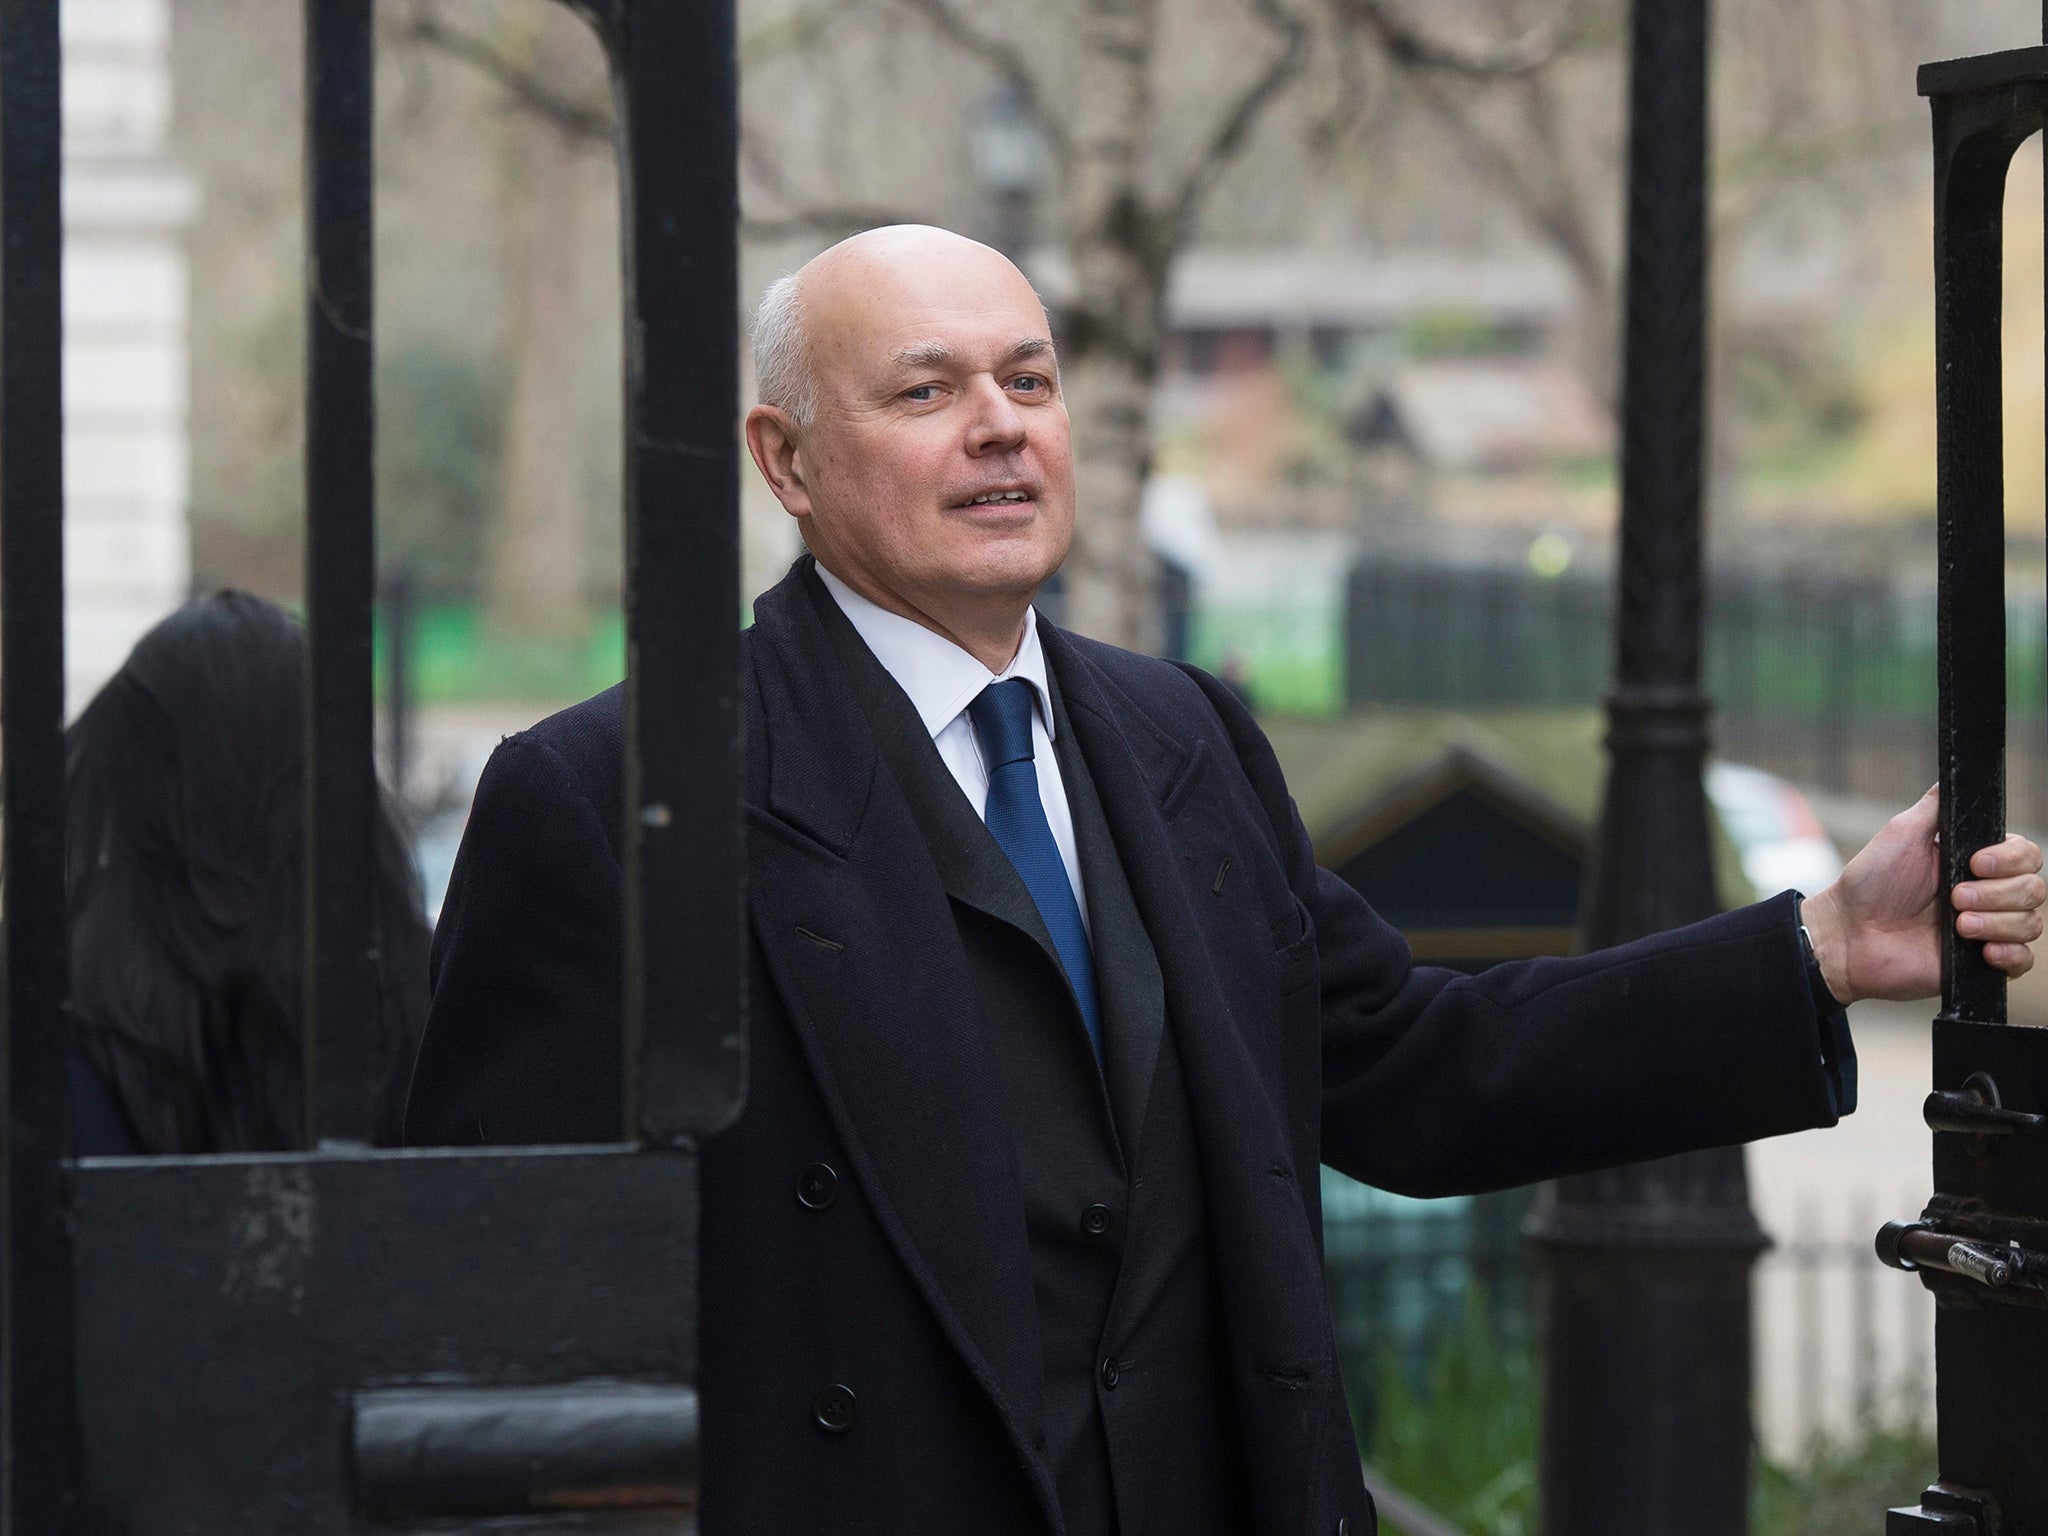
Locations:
{"points": [[925, 354], [937, 354]]}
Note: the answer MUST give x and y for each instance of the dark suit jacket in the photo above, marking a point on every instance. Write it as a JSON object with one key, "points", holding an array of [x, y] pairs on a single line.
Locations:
{"points": [[1305, 1034]]}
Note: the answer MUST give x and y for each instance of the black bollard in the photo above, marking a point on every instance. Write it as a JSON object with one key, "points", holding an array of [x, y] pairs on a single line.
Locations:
{"points": [[1643, 1272]]}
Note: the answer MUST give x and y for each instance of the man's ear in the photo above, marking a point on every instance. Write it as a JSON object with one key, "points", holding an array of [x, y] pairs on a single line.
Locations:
{"points": [[772, 440]]}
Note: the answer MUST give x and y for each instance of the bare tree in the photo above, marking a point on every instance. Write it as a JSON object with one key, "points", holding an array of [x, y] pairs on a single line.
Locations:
{"points": [[535, 581], [1131, 180]]}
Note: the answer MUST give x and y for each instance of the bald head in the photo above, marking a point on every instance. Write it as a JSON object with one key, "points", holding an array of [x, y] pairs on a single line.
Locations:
{"points": [[784, 369], [911, 420]]}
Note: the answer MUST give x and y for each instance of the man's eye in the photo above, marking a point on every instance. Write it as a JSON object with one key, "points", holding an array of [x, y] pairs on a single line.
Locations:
{"points": [[921, 395], [1029, 383]]}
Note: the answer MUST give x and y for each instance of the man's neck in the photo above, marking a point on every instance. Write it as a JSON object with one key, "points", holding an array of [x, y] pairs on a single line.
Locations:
{"points": [[987, 628]]}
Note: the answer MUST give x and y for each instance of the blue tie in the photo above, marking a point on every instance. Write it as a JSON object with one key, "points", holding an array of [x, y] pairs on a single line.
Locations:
{"points": [[1016, 816]]}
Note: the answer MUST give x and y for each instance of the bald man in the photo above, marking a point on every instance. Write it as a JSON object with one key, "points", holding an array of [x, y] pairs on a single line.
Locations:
{"points": [[1053, 1015]]}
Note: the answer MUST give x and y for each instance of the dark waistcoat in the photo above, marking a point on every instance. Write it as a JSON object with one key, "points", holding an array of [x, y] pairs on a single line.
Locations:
{"points": [[1140, 1422]]}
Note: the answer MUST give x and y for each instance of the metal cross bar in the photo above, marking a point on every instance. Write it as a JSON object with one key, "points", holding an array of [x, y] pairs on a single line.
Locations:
{"points": [[36, 1389], [341, 564]]}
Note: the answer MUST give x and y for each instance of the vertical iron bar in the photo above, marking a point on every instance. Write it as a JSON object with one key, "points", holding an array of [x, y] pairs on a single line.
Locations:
{"points": [[1863, 1313], [1838, 707], [1807, 1256], [36, 1384], [1969, 236], [685, 862], [1645, 1270], [341, 775]]}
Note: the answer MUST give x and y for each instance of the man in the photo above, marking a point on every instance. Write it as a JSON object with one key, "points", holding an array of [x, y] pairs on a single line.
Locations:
{"points": [[1053, 1016]]}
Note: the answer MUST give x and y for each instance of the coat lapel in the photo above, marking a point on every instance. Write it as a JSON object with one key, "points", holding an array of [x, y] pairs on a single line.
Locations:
{"points": [[1126, 969], [1153, 788], [971, 864], [858, 938]]}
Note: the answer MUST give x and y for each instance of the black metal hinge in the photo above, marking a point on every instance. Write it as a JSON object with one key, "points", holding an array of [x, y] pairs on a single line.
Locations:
{"points": [[1949, 1510]]}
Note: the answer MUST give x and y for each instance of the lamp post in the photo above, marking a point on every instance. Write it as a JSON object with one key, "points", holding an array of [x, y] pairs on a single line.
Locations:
{"points": [[1009, 160], [1643, 1272]]}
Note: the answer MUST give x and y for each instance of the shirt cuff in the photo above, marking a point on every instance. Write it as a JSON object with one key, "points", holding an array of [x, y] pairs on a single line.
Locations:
{"points": [[1831, 1019], [1837, 1058]]}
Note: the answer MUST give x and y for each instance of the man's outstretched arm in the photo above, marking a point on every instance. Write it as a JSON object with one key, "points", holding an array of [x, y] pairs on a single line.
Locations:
{"points": [[1439, 1083]]}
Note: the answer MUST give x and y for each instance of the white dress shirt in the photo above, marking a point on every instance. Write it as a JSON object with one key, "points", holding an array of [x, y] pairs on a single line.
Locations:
{"points": [[942, 680]]}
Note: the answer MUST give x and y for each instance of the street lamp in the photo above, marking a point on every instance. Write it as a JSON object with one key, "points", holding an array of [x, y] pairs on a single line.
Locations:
{"points": [[1009, 160], [1643, 1272]]}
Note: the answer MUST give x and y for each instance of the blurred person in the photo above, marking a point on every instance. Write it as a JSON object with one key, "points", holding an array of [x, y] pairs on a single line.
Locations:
{"points": [[185, 799], [1052, 1014]]}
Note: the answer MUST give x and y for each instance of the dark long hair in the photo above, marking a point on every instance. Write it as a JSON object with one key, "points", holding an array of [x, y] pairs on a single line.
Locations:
{"points": [[185, 783]]}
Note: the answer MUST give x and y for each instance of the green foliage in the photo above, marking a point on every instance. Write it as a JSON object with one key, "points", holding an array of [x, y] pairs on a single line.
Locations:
{"points": [[437, 451], [1844, 1488], [1460, 1434], [1801, 405], [456, 659], [1461, 333]]}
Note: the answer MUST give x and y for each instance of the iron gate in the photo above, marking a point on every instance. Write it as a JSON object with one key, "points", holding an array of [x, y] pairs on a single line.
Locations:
{"points": [[1981, 1244], [346, 1339]]}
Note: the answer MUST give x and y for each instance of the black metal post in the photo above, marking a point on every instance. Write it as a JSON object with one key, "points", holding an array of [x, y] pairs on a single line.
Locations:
{"points": [[1644, 1271], [37, 1448], [685, 1013], [1990, 1192], [341, 567]]}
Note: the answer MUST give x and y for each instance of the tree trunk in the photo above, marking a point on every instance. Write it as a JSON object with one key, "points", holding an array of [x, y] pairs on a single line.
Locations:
{"points": [[1113, 325], [535, 578]]}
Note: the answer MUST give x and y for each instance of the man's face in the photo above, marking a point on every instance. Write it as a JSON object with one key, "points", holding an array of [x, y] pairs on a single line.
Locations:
{"points": [[938, 464]]}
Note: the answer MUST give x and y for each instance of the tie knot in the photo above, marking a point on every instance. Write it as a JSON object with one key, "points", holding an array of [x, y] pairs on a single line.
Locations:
{"points": [[1002, 723]]}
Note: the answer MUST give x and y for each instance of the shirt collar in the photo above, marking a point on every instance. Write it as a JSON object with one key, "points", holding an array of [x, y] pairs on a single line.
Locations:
{"points": [[940, 678]]}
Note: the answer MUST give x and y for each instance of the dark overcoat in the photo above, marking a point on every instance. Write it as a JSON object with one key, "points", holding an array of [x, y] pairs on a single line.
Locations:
{"points": [[1306, 1034]]}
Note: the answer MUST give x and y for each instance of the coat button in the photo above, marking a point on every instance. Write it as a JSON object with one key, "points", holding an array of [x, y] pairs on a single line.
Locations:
{"points": [[1110, 1374], [834, 1409], [1095, 1220], [817, 1187]]}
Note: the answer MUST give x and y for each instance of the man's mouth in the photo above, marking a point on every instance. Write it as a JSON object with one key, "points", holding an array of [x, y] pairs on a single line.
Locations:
{"points": [[996, 499]]}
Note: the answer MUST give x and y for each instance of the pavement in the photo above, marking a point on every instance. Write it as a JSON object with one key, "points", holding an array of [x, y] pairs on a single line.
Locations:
{"points": [[1834, 1328]]}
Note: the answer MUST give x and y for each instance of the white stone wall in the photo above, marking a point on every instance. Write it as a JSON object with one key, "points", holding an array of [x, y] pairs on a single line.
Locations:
{"points": [[127, 545]]}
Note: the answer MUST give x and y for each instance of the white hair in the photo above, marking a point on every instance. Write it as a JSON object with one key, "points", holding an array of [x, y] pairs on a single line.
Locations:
{"points": [[782, 357]]}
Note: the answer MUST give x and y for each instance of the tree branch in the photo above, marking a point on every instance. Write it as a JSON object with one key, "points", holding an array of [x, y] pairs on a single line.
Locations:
{"points": [[1234, 128], [798, 33], [1538, 186], [828, 221], [1409, 45], [834, 220], [951, 22], [577, 118]]}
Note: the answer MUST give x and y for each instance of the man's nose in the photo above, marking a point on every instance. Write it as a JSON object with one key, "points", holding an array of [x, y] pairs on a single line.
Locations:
{"points": [[997, 424]]}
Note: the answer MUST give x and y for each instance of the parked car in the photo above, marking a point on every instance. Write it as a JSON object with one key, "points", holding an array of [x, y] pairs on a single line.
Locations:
{"points": [[1774, 828]]}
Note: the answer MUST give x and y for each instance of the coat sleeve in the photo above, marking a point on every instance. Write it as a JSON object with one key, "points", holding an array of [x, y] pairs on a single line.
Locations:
{"points": [[1438, 1083], [523, 1042]]}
